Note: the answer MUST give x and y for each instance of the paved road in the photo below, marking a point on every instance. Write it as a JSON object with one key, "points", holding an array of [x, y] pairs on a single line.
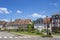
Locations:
{"points": [[9, 36]]}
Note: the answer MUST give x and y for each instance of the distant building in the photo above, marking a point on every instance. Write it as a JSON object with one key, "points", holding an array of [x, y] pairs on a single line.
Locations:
{"points": [[18, 23], [38, 24], [47, 23], [10, 25], [55, 21], [2, 24]]}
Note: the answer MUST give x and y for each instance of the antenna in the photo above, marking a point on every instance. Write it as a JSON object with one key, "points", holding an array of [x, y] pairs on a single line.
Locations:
{"points": [[10, 20]]}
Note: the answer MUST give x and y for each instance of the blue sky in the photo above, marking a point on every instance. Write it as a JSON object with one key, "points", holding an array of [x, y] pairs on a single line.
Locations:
{"points": [[24, 9]]}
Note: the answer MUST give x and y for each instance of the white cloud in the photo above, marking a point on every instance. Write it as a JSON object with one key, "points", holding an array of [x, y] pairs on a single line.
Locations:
{"points": [[4, 10], [18, 11], [36, 15], [55, 4], [7, 20], [4, 20]]}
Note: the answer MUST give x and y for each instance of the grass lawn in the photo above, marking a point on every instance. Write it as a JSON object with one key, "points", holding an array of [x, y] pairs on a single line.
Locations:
{"points": [[27, 33], [47, 36], [36, 33], [57, 34]]}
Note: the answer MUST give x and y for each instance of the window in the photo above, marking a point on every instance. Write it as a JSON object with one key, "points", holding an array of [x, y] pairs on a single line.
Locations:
{"points": [[55, 25], [55, 21], [56, 16], [48, 26], [59, 16], [59, 25], [59, 20], [39, 21]]}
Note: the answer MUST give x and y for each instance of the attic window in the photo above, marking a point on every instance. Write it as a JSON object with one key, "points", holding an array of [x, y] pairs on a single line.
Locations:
{"points": [[56, 16], [39, 21]]}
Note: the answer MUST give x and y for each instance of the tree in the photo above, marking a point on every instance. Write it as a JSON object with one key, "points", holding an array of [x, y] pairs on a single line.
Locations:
{"points": [[20, 28], [30, 27]]}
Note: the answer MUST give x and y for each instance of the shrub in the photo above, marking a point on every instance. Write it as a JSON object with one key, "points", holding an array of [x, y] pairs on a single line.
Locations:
{"points": [[56, 29], [37, 32], [44, 30], [0, 28], [47, 36]]}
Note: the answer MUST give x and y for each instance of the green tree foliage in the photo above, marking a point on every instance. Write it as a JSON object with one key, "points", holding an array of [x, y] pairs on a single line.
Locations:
{"points": [[56, 29], [30, 27]]}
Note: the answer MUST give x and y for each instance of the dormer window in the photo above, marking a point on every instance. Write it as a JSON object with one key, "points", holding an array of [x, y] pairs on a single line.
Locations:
{"points": [[53, 16], [56, 16], [59, 16]]}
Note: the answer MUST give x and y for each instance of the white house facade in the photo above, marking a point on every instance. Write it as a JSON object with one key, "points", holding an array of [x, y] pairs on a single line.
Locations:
{"points": [[38, 24]]}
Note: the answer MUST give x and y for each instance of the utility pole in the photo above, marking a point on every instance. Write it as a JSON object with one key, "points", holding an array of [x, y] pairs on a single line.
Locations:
{"points": [[47, 24]]}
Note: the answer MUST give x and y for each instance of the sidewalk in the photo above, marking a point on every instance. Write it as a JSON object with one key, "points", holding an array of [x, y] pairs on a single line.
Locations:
{"points": [[54, 36]]}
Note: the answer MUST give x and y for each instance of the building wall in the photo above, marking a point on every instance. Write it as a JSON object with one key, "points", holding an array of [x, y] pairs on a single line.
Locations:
{"points": [[39, 26], [1, 26], [24, 26], [12, 27], [49, 28], [16, 27], [55, 22]]}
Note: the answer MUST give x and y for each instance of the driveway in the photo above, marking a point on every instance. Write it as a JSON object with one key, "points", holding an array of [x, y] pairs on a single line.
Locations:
{"points": [[9, 36]]}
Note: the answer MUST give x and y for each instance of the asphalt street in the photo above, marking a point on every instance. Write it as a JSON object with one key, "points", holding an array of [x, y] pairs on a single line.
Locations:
{"points": [[9, 36]]}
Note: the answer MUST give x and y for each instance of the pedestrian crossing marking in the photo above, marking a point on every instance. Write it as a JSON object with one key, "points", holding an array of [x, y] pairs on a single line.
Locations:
{"points": [[10, 37], [5, 37], [0, 37], [15, 37], [29, 36], [25, 37], [20, 37]]}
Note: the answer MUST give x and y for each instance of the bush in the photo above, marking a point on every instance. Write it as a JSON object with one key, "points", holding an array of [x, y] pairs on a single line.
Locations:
{"points": [[0, 28], [37, 32], [56, 29], [44, 30], [47, 36], [32, 31]]}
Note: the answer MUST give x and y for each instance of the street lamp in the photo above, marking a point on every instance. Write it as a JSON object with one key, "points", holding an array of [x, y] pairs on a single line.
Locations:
{"points": [[47, 24]]}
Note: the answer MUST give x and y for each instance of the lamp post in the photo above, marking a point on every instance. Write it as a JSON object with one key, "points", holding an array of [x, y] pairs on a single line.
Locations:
{"points": [[47, 24]]}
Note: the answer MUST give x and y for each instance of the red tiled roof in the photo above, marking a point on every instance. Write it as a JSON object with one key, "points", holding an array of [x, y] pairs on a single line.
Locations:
{"points": [[2, 22], [20, 22], [47, 20]]}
